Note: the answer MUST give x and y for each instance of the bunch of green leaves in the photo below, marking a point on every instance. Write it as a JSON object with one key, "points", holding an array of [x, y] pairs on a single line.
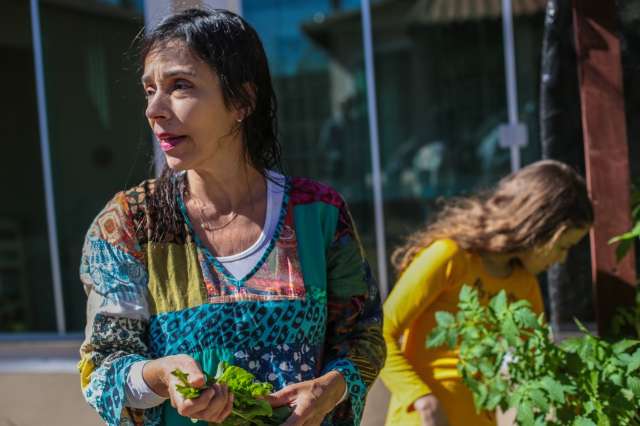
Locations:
{"points": [[249, 404], [508, 359], [185, 388]]}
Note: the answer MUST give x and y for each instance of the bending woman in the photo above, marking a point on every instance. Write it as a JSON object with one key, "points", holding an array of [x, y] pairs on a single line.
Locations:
{"points": [[495, 241]]}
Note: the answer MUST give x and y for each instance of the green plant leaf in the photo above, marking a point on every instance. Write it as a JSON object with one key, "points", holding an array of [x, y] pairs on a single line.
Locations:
{"points": [[526, 317], [466, 294], [499, 303], [634, 363], [445, 319], [634, 386], [553, 388], [452, 337], [510, 330], [624, 345], [525, 414], [437, 338], [583, 421], [573, 344], [539, 400]]}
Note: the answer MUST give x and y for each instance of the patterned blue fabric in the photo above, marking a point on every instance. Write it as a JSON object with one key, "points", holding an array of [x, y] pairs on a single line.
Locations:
{"points": [[106, 391], [236, 326], [356, 387], [115, 274]]}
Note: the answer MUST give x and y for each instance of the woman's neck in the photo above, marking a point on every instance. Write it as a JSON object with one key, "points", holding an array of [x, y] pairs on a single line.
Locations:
{"points": [[226, 188], [497, 265]]}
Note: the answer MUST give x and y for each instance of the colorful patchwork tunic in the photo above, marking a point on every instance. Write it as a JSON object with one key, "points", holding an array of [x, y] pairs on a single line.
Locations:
{"points": [[309, 306]]}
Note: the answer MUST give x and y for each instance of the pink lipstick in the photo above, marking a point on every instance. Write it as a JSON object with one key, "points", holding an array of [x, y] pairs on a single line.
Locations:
{"points": [[169, 141]]}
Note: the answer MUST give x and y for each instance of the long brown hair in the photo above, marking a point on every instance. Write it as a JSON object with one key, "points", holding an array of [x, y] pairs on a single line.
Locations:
{"points": [[530, 207]]}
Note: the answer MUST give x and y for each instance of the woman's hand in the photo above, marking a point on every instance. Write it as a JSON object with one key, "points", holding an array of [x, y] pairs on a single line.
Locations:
{"points": [[213, 405], [311, 400], [430, 410]]}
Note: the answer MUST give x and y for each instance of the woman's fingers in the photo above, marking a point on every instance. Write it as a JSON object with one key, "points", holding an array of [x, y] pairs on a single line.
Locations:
{"points": [[294, 420], [283, 397], [303, 414], [226, 412], [192, 407], [215, 410]]}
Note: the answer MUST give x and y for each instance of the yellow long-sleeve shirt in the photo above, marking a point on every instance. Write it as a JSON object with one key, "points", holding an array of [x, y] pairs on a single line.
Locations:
{"points": [[430, 284]]}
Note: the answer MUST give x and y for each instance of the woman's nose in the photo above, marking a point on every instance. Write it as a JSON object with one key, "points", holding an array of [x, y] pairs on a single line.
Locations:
{"points": [[157, 107]]}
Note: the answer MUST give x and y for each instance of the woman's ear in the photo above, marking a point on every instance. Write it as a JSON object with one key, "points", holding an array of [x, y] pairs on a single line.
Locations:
{"points": [[251, 90]]}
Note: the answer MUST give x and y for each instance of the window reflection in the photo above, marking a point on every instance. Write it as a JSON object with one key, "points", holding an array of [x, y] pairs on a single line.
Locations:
{"points": [[321, 96], [26, 292]]}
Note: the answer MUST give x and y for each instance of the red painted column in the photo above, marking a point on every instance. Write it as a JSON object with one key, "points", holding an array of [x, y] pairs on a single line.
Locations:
{"points": [[606, 151]]}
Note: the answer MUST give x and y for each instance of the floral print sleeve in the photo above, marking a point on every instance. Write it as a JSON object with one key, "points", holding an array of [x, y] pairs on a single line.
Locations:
{"points": [[354, 344], [114, 276]]}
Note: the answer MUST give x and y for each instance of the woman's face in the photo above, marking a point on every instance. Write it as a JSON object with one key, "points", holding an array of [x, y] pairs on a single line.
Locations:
{"points": [[540, 258], [186, 109]]}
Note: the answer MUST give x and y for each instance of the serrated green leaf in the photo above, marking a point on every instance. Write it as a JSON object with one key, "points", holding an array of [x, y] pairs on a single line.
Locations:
{"points": [[539, 400], [583, 421], [452, 338], [526, 317], [553, 388], [634, 385], [573, 344], [499, 303], [437, 338], [634, 362], [624, 345], [445, 319], [616, 379], [628, 394], [466, 294], [582, 327], [525, 414], [510, 330], [493, 400]]}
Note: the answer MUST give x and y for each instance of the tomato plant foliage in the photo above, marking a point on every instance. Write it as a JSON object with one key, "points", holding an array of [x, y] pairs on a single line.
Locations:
{"points": [[508, 359]]}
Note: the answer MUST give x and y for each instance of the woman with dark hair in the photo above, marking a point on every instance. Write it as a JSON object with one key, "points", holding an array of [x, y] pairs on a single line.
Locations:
{"points": [[223, 257]]}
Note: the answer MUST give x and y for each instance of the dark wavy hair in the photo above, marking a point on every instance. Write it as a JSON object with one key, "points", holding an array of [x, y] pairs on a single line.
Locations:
{"points": [[232, 48]]}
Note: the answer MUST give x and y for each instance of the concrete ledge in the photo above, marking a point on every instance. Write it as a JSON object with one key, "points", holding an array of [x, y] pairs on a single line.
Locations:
{"points": [[44, 399]]}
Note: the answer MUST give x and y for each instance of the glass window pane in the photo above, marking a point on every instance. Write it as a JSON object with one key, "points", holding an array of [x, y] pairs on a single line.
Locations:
{"points": [[26, 291], [441, 98], [99, 139], [315, 55]]}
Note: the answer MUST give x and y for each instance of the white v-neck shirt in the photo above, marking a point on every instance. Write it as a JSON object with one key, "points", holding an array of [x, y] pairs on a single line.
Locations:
{"points": [[240, 264]]}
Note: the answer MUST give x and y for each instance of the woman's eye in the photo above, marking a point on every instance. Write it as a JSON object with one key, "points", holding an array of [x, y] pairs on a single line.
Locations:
{"points": [[148, 92], [182, 85]]}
